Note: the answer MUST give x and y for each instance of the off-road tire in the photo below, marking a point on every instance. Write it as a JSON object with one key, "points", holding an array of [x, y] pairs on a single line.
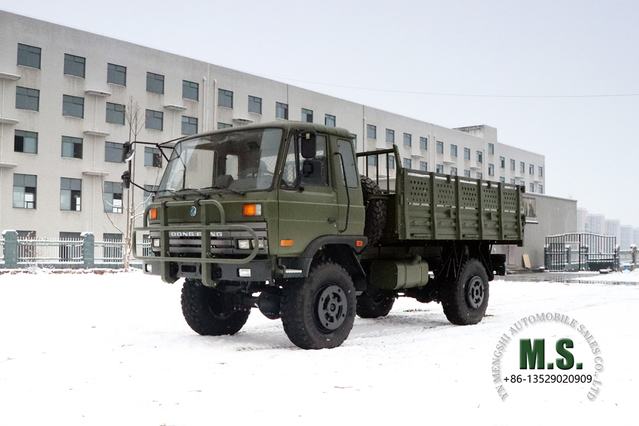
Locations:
{"points": [[465, 300], [375, 211], [374, 304], [318, 312], [209, 311]]}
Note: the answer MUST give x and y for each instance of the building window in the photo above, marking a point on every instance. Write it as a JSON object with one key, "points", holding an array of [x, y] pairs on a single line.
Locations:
{"points": [[71, 147], [523, 183], [281, 110], [541, 189], [423, 143], [113, 152], [152, 157], [26, 142], [453, 150], [491, 149], [522, 167], [29, 56], [112, 197], [440, 147], [467, 154], [512, 164], [531, 169], [255, 105], [330, 120], [74, 65], [408, 139], [155, 83], [480, 157], [371, 131], [27, 98], [541, 171], [408, 164], [502, 162], [480, 175], [189, 125], [439, 168], [24, 191], [491, 170], [70, 194], [190, 90], [390, 162], [72, 106], [390, 135], [307, 115], [532, 187], [372, 160], [512, 181], [502, 179], [453, 171], [423, 166], [115, 113], [116, 74], [225, 98], [154, 119], [224, 126], [467, 173]]}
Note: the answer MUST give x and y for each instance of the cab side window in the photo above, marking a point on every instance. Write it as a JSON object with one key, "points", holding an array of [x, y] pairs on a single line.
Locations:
{"points": [[305, 171]]}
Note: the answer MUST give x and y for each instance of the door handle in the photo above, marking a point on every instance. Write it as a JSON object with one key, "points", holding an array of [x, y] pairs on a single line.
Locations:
{"points": [[332, 220]]}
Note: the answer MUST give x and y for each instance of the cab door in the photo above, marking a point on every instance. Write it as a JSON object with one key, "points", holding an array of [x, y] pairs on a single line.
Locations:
{"points": [[307, 202]]}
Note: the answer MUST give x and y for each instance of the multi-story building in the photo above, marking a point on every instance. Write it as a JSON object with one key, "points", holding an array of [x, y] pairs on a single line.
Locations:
{"points": [[67, 99], [627, 236], [582, 220], [597, 223]]}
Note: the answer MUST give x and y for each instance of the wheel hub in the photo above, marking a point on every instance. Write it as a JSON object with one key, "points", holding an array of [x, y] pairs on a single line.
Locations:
{"points": [[331, 308], [475, 292]]}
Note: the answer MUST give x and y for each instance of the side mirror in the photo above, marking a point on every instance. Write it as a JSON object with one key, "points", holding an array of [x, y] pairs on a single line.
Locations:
{"points": [[126, 179], [309, 144], [127, 152]]}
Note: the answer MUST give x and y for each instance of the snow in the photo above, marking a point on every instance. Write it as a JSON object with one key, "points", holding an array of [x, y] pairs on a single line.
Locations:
{"points": [[113, 349]]}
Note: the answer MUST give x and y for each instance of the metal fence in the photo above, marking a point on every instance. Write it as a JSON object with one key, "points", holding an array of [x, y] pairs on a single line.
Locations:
{"points": [[84, 252], [581, 252], [44, 251]]}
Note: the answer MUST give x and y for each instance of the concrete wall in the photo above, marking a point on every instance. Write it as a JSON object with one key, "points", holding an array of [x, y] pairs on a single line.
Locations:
{"points": [[553, 216]]}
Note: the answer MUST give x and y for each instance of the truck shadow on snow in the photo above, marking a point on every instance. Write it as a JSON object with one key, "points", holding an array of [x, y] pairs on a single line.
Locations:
{"points": [[272, 336]]}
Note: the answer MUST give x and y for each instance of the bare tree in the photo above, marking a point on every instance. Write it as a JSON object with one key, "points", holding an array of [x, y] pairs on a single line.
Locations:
{"points": [[135, 120]]}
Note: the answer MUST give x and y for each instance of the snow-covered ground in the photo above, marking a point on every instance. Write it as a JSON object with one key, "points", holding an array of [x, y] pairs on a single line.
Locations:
{"points": [[113, 349]]}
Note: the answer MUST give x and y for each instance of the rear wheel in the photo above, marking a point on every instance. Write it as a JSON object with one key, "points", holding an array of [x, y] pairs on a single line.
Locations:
{"points": [[374, 304], [318, 312], [465, 300], [209, 311]]}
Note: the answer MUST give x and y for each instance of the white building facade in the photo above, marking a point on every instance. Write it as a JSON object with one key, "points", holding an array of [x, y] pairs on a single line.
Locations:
{"points": [[65, 100]]}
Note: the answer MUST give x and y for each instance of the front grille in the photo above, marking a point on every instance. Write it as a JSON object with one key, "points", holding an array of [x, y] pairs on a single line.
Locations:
{"points": [[223, 243]]}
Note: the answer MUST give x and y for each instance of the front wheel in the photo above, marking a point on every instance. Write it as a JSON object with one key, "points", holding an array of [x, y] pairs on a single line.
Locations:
{"points": [[318, 312], [211, 312], [465, 300]]}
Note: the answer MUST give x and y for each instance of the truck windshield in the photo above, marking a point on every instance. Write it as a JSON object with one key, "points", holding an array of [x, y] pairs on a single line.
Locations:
{"points": [[238, 161]]}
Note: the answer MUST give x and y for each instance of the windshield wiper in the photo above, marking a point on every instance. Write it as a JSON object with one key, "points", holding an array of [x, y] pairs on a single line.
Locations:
{"points": [[197, 191], [235, 191], [174, 194]]}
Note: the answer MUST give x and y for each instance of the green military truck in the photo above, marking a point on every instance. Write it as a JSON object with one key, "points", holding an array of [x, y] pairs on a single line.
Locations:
{"points": [[280, 217]]}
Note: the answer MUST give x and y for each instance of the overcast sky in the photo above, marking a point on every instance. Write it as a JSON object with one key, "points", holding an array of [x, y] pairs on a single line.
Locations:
{"points": [[558, 78]]}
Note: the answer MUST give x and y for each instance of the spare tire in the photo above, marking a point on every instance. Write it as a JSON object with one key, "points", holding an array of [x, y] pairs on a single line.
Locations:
{"points": [[375, 210]]}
